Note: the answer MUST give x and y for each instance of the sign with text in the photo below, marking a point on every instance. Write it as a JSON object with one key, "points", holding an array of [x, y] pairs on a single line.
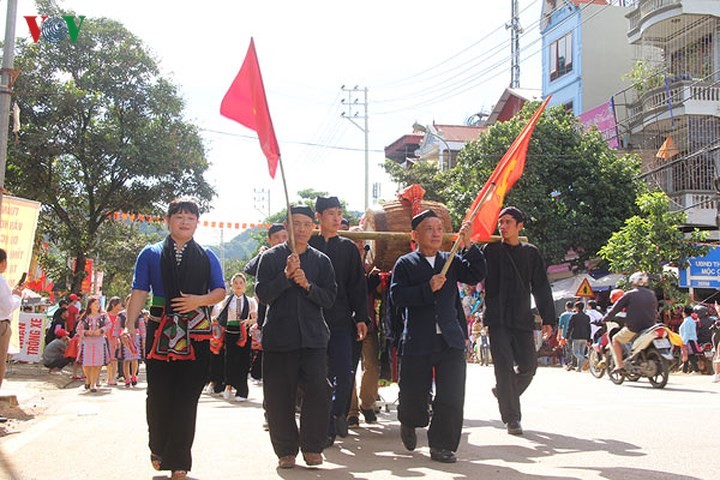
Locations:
{"points": [[18, 220], [31, 335], [702, 272]]}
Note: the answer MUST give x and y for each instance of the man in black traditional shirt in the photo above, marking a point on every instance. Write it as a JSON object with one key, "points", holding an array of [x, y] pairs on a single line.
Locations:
{"points": [[434, 334], [296, 286], [348, 316], [514, 271]]}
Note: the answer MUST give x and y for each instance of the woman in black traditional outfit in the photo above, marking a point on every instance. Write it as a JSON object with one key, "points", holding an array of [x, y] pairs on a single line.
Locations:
{"points": [[185, 279]]}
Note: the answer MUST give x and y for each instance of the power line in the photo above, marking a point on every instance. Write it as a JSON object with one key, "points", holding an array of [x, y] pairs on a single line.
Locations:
{"points": [[294, 142], [480, 78]]}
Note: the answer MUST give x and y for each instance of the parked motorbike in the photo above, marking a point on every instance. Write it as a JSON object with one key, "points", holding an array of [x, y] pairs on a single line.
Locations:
{"points": [[705, 358], [647, 356]]}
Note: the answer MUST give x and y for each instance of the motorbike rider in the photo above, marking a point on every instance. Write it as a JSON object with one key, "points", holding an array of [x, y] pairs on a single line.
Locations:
{"points": [[640, 305]]}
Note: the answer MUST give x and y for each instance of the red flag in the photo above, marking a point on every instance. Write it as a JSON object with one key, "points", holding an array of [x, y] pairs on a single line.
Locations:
{"points": [[508, 171], [246, 103]]}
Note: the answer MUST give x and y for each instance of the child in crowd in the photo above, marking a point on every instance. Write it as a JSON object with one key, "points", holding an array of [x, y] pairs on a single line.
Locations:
{"points": [[113, 338], [132, 348], [93, 352]]}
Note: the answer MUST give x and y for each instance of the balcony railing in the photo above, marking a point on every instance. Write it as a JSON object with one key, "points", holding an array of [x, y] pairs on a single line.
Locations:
{"points": [[645, 7], [701, 207], [679, 93]]}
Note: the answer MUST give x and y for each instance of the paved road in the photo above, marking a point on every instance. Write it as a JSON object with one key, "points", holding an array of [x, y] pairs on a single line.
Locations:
{"points": [[576, 427]]}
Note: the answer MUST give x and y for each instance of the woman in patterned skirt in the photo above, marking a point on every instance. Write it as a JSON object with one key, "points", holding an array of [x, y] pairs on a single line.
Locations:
{"points": [[114, 307], [132, 349], [93, 353]]}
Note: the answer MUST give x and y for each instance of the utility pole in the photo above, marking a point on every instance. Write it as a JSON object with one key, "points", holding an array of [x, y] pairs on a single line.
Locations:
{"points": [[353, 104], [516, 31], [6, 79], [261, 200]]}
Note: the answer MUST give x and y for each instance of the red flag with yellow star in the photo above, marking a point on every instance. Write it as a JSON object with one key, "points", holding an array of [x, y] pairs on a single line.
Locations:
{"points": [[508, 171], [246, 103]]}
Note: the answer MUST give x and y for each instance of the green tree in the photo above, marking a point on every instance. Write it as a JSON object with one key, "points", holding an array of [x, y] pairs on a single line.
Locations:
{"points": [[117, 252], [651, 240], [424, 173], [102, 131], [575, 191]]}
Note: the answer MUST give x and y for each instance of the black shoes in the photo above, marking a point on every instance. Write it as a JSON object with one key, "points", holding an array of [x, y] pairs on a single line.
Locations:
{"points": [[329, 441], [408, 437], [353, 422], [442, 455], [370, 416], [514, 428], [341, 427]]}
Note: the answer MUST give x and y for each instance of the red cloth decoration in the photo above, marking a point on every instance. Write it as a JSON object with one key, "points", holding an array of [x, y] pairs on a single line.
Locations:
{"points": [[413, 195]]}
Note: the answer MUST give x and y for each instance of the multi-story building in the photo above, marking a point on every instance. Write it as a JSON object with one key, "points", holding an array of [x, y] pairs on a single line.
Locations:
{"points": [[585, 52], [677, 95], [434, 143]]}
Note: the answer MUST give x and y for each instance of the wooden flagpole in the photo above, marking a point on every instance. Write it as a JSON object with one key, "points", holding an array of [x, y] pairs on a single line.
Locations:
{"points": [[291, 230], [460, 238]]}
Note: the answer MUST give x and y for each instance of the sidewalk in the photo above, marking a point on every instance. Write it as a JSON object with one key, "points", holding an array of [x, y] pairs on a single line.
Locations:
{"points": [[28, 391]]}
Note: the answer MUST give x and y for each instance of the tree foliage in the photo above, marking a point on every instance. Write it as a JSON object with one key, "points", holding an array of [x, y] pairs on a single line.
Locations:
{"points": [[102, 131], [575, 191], [650, 240], [117, 252], [423, 173]]}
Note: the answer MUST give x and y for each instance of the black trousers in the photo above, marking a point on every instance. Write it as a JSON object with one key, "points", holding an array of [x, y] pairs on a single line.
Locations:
{"points": [[256, 364], [58, 363], [356, 354], [172, 397], [217, 371], [237, 362], [283, 373], [511, 347], [416, 376]]}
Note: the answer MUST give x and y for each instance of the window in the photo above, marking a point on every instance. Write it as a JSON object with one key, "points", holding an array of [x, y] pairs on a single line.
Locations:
{"points": [[561, 57]]}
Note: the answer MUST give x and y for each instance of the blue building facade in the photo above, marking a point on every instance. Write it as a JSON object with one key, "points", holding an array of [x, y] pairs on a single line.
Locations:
{"points": [[561, 58]]}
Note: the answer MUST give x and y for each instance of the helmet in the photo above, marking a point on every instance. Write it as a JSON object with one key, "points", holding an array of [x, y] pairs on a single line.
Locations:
{"points": [[701, 310], [639, 279], [616, 294]]}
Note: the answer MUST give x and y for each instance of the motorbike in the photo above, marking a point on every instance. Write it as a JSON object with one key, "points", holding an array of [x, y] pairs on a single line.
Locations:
{"points": [[596, 358], [646, 356]]}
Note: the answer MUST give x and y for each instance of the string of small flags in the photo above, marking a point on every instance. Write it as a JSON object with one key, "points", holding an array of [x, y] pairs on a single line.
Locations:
{"points": [[132, 217]]}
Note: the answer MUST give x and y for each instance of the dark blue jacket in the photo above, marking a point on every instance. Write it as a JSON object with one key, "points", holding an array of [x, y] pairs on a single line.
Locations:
{"points": [[422, 308]]}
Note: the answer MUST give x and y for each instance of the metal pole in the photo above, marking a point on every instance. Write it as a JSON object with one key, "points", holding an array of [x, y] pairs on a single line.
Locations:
{"points": [[515, 31], [367, 150], [5, 90]]}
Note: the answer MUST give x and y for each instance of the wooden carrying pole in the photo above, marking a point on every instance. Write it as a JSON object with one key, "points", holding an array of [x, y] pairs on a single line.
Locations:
{"points": [[291, 230], [471, 217], [402, 236]]}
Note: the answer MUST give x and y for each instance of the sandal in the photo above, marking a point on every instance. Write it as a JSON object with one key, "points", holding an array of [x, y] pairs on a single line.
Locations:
{"points": [[179, 475], [156, 461]]}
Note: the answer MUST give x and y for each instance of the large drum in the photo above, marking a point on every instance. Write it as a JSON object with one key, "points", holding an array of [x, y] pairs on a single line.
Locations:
{"points": [[395, 216]]}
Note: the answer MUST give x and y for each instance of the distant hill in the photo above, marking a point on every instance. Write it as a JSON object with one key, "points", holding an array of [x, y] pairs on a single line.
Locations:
{"points": [[241, 247]]}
